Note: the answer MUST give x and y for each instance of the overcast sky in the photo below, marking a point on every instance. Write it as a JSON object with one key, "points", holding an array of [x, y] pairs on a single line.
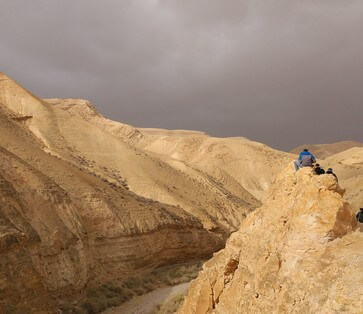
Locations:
{"points": [[282, 72]]}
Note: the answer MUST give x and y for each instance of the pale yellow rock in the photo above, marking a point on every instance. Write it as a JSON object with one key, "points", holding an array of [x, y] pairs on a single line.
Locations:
{"points": [[298, 253]]}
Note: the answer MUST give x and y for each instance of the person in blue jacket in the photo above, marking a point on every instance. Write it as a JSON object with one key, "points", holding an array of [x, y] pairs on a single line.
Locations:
{"points": [[305, 159]]}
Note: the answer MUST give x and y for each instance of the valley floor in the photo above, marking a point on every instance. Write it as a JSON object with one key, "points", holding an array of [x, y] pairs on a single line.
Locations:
{"points": [[145, 304]]}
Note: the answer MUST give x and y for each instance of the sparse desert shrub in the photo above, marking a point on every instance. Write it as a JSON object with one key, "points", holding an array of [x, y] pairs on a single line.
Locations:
{"points": [[115, 289], [117, 292], [132, 282], [126, 293], [66, 308], [170, 306], [139, 291], [88, 307]]}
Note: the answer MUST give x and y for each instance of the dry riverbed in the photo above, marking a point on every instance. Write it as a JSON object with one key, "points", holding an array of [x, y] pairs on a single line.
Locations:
{"points": [[145, 304]]}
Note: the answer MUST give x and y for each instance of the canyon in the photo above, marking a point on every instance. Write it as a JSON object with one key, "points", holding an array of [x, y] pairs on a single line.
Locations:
{"points": [[86, 201]]}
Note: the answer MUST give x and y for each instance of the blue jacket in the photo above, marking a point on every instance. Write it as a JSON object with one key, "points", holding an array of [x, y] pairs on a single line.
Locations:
{"points": [[304, 153], [306, 159]]}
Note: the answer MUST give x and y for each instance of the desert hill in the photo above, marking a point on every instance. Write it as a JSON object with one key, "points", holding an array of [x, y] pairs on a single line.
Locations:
{"points": [[64, 230], [300, 252], [164, 132], [325, 150], [234, 162], [350, 157], [70, 218], [87, 145], [252, 165]]}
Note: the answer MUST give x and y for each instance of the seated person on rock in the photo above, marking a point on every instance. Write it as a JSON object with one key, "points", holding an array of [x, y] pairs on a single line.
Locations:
{"points": [[318, 170], [359, 216], [330, 171], [305, 159]]}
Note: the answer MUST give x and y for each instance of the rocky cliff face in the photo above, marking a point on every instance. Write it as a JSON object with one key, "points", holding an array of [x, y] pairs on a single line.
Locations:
{"points": [[299, 253]]}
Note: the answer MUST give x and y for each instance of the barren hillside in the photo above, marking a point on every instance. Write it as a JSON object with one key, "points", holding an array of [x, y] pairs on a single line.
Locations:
{"points": [[87, 145], [238, 164], [70, 218], [325, 150], [250, 164]]}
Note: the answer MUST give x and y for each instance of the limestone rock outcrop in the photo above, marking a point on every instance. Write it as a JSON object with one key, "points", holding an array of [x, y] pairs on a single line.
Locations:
{"points": [[299, 253]]}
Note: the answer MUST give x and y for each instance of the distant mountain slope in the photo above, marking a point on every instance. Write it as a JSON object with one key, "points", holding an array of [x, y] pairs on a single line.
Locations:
{"points": [[252, 165], [164, 132], [237, 164], [325, 150], [349, 157]]}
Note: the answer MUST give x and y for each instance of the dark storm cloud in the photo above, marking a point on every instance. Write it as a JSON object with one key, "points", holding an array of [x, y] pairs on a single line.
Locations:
{"points": [[280, 72]]}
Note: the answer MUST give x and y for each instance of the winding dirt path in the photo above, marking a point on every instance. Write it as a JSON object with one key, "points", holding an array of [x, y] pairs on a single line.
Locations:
{"points": [[146, 303]]}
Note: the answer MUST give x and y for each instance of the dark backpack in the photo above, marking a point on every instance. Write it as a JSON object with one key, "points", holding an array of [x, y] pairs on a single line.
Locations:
{"points": [[319, 171], [359, 217]]}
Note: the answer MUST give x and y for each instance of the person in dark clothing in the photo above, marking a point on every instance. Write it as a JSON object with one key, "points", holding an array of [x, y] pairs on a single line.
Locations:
{"points": [[305, 159], [359, 216], [330, 171], [318, 170]]}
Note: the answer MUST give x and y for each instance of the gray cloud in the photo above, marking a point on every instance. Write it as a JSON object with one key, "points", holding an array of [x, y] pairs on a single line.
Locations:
{"points": [[281, 72]]}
